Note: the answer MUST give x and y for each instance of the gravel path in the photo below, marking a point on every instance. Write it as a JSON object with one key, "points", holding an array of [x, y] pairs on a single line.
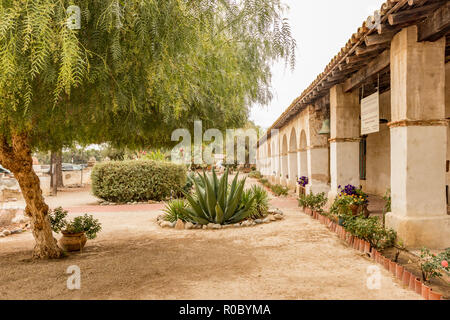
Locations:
{"points": [[133, 258]]}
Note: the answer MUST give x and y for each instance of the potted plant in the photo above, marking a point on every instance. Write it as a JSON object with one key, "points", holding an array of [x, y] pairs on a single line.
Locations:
{"points": [[341, 208], [302, 182], [432, 265], [75, 232], [358, 200]]}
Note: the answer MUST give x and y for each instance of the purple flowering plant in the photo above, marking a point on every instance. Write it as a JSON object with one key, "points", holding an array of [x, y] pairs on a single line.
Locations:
{"points": [[303, 181], [357, 196]]}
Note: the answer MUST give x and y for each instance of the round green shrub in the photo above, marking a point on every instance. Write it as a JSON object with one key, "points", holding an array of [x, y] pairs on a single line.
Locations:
{"points": [[141, 180]]}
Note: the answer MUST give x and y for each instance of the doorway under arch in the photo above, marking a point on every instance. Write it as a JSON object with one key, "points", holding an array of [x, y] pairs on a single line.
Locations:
{"points": [[293, 162]]}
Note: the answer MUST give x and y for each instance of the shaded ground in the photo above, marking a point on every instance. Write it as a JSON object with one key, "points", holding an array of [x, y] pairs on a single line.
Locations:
{"points": [[133, 258]]}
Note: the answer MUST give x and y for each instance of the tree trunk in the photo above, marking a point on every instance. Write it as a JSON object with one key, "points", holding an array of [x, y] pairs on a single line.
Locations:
{"points": [[17, 158], [59, 176], [56, 180]]}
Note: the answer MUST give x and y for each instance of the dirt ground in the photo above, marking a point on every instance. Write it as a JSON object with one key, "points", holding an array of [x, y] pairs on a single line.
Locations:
{"points": [[133, 258]]}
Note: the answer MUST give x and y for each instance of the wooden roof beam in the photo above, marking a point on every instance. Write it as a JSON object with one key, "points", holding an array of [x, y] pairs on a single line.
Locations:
{"points": [[383, 38], [370, 49], [413, 14], [362, 59], [375, 66], [416, 2], [435, 26]]}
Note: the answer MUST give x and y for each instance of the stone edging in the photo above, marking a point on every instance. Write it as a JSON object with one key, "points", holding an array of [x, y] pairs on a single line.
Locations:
{"points": [[398, 271], [7, 232], [274, 215]]}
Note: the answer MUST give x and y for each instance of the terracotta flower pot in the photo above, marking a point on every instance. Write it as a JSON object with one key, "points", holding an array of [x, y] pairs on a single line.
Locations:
{"points": [[377, 256], [418, 286], [399, 272], [412, 282], [354, 209], [333, 227], [362, 246], [425, 292], [386, 263], [367, 247], [356, 243], [308, 211], [349, 239], [330, 224], [392, 267], [405, 278], [373, 254], [434, 295], [72, 241]]}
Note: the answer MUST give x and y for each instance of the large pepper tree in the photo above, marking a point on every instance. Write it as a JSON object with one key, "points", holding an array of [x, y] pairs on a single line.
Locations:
{"points": [[133, 72]]}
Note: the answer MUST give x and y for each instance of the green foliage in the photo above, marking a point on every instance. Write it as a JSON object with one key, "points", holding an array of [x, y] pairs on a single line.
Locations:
{"points": [[138, 180], [255, 174], [86, 224], [174, 210], [432, 266], [136, 69], [218, 202], [261, 202], [341, 207], [388, 200], [371, 230], [279, 190], [315, 202], [155, 156], [58, 219]]}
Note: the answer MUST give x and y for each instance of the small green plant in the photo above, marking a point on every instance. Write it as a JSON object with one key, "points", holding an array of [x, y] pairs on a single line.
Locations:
{"points": [[387, 205], [175, 210], [399, 247], [255, 174], [279, 190], [265, 182], [86, 223], [155, 156], [303, 201], [260, 205], [371, 230], [58, 219], [432, 265], [341, 207], [318, 201]]}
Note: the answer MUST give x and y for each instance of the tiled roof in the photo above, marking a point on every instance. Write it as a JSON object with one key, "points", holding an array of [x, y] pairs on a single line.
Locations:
{"points": [[357, 39]]}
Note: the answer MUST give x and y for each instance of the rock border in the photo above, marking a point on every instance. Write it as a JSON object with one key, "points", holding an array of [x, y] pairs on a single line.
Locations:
{"points": [[273, 216], [107, 203], [6, 232]]}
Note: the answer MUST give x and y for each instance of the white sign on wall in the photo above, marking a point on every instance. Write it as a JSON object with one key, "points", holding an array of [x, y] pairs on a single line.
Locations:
{"points": [[370, 114]]}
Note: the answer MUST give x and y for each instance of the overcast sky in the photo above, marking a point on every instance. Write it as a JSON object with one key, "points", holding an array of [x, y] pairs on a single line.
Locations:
{"points": [[321, 28]]}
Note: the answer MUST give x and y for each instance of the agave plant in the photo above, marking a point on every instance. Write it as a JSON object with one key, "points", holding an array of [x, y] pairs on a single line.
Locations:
{"points": [[215, 201], [175, 210], [261, 202]]}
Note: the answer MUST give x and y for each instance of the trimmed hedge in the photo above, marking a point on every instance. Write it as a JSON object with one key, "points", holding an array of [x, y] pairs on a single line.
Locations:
{"points": [[138, 180]]}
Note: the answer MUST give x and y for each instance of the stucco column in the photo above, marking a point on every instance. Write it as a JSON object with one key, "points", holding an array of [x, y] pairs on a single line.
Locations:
{"points": [[418, 141], [317, 157], [345, 137]]}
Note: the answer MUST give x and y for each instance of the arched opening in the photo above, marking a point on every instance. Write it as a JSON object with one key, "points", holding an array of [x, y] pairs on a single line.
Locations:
{"points": [[293, 162], [284, 159], [275, 160], [303, 154]]}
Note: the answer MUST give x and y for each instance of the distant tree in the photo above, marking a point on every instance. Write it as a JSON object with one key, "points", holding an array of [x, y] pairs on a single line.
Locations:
{"points": [[136, 70]]}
